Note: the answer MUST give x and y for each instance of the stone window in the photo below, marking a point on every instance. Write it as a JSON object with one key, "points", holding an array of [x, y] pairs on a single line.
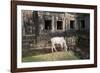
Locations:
{"points": [[59, 25]]}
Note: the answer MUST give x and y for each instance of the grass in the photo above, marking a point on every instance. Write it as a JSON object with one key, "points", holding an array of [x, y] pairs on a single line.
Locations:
{"points": [[56, 56]]}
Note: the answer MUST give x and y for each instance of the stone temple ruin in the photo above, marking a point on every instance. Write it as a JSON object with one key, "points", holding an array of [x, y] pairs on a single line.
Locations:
{"points": [[38, 27]]}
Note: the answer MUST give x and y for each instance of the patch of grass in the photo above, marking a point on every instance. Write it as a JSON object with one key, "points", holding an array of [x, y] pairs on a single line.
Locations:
{"points": [[56, 56], [79, 55]]}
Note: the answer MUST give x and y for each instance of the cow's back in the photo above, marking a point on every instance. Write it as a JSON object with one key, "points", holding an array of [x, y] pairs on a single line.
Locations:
{"points": [[57, 39]]}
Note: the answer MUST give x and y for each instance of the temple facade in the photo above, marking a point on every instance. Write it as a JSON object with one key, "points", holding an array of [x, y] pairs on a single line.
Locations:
{"points": [[40, 26]]}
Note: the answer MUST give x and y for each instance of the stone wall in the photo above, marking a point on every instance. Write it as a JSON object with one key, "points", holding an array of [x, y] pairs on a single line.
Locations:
{"points": [[34, 33]]}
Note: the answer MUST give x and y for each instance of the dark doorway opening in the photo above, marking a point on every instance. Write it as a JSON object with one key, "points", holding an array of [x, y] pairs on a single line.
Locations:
{"points": [[47, 24], [59, 25], [72, 24], [82, 24]]}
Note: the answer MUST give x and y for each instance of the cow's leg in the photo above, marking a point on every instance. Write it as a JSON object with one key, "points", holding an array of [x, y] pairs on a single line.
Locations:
{"points": [[65, 46], [52, 48], [55, 48], [62, 46]]}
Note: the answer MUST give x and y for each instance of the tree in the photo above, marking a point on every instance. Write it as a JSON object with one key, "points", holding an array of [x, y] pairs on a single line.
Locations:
{"points": [[36, 23]]}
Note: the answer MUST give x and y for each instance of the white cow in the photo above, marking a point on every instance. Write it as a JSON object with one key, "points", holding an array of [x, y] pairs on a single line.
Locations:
{"points": [[58, 40]]}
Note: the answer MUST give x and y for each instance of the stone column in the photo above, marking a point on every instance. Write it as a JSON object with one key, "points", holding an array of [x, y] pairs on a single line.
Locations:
{"points": [[53, 23], [64, 24]]}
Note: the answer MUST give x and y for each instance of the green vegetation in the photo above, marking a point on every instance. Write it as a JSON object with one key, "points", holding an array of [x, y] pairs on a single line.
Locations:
{"points": [[56, 56]]}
